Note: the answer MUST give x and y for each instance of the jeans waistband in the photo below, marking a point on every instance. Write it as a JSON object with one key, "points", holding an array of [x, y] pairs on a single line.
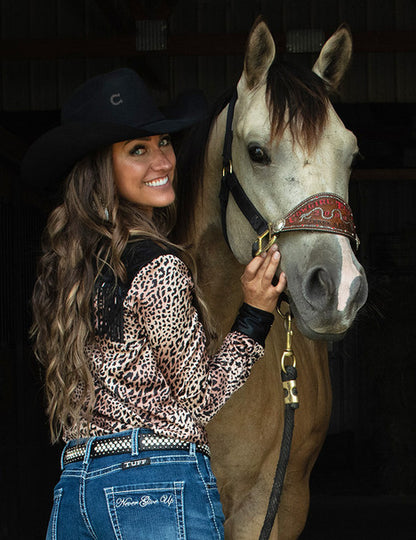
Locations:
{"points": [[133, 442]]}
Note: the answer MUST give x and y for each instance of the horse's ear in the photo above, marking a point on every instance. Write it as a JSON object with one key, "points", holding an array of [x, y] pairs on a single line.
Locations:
{"points": [[259, 56], [335, 57]]}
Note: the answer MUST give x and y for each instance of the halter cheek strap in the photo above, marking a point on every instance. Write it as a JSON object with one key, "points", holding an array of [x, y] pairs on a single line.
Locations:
{"points": [[324, 212], [230, 183]]}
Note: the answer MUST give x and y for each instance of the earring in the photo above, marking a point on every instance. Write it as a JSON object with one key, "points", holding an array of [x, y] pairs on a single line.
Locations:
{"points": [[107, 215]]}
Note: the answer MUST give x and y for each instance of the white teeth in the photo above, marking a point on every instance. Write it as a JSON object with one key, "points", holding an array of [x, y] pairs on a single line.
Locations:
{"points": [[158, 182]]}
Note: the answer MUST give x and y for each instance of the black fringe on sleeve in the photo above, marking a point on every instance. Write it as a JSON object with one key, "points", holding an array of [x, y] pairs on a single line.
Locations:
{"points": [[110, 293]]}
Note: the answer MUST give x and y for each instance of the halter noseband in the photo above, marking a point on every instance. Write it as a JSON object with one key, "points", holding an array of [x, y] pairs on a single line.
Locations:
{"points": [[324, 212]]}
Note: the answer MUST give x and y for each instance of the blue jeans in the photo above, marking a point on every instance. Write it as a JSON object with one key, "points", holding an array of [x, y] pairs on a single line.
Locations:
{"points": [[147, 495]]}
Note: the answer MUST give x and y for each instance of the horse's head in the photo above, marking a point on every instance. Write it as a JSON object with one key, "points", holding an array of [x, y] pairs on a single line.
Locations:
{"points": [[289, 144]]}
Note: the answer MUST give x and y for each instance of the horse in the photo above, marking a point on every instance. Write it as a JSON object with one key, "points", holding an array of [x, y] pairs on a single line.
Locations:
{"points": [[288, 145]]}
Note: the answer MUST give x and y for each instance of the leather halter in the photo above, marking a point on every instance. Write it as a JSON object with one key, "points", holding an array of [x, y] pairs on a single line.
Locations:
{"points": [[324, 212]]}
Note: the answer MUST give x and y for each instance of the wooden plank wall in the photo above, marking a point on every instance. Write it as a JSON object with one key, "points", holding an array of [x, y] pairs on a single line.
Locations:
{"points": [[44, 84]]}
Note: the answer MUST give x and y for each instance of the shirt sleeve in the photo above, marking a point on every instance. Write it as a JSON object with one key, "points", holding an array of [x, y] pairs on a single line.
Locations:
{"points": [[162, 296]]}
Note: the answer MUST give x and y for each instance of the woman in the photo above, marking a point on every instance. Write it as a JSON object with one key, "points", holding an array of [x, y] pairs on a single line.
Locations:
{"points": [[122, 330]]}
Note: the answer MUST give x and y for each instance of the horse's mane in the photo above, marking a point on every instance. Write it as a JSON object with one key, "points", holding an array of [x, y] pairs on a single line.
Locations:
{"points": [[298, 99], [304, 96], [190, 167]]}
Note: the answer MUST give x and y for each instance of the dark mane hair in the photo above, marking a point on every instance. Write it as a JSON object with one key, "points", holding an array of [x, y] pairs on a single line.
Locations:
{"points": [[304, 96], [190, 167], [298, 99]]}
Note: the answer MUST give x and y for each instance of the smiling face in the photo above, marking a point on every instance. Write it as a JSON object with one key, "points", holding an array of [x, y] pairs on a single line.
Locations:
{"points": [[144, 170]]}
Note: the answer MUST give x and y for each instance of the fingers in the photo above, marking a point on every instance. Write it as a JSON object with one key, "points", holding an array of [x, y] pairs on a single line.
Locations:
{"points": [[271, 263], [270, 268], [257, 280], [264, 266], [281, 284], [254, 265]]}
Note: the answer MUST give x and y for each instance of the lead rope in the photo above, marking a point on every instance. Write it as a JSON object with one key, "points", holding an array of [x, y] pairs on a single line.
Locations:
{"points": [[290, 394]]}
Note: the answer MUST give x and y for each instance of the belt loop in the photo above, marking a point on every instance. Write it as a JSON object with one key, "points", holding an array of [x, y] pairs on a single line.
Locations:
{"points": [[135, 444], [88, 448], [192, 449], [63, 454]]}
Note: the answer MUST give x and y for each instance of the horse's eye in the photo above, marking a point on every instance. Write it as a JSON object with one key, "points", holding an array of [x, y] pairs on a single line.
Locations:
{"points": [[258, 154]]}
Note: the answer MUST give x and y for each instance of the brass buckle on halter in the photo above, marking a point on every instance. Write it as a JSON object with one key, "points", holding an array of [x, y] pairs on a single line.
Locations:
{"points": [[269, 237]]}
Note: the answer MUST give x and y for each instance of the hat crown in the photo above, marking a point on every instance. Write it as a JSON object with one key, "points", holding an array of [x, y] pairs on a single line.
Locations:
{"points": [[118, 97], [106, 109]]}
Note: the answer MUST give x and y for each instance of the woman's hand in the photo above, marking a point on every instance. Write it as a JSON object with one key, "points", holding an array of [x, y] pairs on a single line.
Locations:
{"points": [[258, 290]]}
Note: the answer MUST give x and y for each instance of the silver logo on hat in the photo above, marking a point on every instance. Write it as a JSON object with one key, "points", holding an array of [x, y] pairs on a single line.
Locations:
{"points": [[115, 99]]}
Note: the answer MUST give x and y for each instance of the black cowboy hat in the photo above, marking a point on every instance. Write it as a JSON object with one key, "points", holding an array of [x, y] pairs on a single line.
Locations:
{"points": [[108, 108]]}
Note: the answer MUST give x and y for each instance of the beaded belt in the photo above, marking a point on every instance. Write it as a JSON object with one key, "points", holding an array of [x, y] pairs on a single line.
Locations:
{"points": [[122, 445]]}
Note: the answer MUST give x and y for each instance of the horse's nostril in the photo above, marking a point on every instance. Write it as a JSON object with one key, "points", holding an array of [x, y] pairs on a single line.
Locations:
{"points": [[318, 287]]}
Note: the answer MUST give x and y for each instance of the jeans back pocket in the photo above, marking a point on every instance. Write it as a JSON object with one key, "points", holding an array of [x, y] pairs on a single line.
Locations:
{"points": [[147, 511]]}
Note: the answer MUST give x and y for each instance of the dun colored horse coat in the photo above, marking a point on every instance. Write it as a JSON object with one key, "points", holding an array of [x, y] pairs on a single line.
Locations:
{"points": [[288, 144]]}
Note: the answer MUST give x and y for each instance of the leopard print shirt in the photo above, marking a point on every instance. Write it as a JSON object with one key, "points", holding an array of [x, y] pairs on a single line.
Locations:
{"points": [[160, 376]]}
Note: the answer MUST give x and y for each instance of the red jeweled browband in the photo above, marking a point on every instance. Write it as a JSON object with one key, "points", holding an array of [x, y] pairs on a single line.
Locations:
{"points": [[326, 212]]}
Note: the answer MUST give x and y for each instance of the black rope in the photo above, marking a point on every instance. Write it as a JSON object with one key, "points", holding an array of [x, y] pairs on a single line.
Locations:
{"points": [[276, 493]]}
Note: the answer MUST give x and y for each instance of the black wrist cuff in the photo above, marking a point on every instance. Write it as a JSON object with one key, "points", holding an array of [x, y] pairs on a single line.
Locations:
{"points": [[253, 322]]}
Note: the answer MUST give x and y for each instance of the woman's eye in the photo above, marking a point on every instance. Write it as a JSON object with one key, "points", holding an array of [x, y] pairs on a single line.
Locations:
{"points": [[165, 141], [258, 155], [137, 151]]}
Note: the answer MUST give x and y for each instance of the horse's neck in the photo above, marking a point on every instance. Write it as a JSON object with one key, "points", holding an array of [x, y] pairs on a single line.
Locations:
{"points": [[207, 209], [218, 271]]}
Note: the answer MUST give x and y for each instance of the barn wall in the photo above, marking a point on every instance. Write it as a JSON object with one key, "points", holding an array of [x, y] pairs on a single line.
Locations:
{"points": [[372, 434], [42, 84]]}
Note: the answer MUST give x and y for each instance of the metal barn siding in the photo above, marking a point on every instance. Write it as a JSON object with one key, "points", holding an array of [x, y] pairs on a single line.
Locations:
{"points": [[381, 70]]}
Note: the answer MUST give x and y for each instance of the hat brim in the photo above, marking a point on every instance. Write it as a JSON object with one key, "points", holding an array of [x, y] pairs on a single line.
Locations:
{"points": [[51, 157]]}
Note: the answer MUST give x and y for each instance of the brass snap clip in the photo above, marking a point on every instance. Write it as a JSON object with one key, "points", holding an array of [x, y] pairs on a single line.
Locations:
{"points": [[288, 356], [290, 391]]}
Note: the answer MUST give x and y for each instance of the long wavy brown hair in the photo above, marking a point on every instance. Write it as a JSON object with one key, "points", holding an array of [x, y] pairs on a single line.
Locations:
{"points": [[88, 231]]}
